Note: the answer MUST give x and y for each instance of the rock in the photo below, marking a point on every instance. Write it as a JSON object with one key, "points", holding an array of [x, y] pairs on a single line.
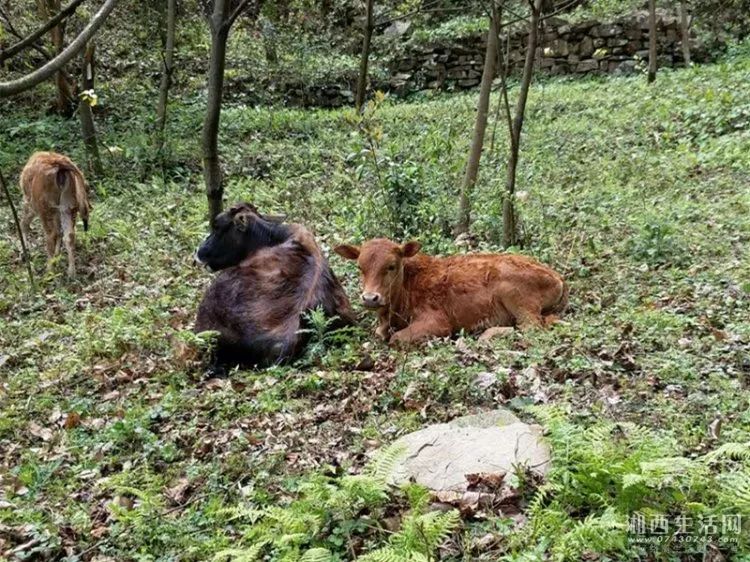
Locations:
{"points": [[606, 30], [397, 28], [440, 456], [587, 65], [496, 332], [557, 48], [586, 49]]}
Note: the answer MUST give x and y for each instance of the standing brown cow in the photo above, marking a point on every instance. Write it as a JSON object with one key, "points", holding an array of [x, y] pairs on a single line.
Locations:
{"points": [[419, 296], [54, 188]]}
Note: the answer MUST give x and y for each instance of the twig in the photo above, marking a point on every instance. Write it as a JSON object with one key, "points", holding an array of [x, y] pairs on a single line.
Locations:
{"points": [[20, 232], [21, 547]]}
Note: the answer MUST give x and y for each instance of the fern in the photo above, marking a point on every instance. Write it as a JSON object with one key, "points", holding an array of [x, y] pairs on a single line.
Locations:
{"points": [[317, 555], [382, 465], [250, 554], [732, 451], [418, 539]]}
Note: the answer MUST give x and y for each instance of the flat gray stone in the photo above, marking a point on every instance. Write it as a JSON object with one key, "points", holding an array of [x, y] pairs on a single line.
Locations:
{"points": [[440, 456]]}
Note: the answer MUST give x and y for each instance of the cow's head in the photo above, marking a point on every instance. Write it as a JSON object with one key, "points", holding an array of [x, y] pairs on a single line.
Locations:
{"points": [[237, 233], [381, 263]]}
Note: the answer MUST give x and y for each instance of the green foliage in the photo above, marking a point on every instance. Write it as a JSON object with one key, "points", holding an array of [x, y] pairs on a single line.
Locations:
{"points": [[616, 174]]}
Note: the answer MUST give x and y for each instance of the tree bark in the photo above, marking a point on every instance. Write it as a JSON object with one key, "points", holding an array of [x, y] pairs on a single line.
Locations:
{"points": [[364, 61], [685, 32], [651, 40], [211, 165], [86, 115], [480, 125], [510, 231], [27, 82], [166, 74]]}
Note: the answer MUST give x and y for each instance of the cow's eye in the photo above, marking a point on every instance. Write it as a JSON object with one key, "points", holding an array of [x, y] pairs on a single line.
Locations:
{"points": [[392, 267]]}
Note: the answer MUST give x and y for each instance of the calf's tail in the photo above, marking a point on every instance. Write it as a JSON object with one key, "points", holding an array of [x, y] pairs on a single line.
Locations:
{"points": [[73, 178]]}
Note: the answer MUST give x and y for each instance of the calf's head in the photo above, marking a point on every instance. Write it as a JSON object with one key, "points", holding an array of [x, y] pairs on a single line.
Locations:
{"points": [[237, 233], [381, 264]]}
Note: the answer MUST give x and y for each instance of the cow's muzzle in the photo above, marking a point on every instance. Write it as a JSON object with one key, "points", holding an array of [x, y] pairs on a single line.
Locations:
{"points": [[372, 300], [199, 262]]}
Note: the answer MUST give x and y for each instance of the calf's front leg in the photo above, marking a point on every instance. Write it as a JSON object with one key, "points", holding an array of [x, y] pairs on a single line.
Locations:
{"points": [[425, 326]]}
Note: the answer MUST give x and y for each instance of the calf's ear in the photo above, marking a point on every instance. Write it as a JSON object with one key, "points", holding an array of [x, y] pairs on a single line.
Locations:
{"points": [[347, 251], [410, 249]]}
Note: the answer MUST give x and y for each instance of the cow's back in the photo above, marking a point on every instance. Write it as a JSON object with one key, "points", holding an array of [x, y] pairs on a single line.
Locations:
{"points": [[474, 291]]}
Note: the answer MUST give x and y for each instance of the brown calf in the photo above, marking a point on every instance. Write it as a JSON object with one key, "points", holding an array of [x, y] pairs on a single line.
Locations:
{"points": [[54, 188], [419, 296]]}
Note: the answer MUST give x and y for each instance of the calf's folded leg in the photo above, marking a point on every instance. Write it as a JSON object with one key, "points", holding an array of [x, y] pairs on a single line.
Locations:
{"points": [[428, 325]]}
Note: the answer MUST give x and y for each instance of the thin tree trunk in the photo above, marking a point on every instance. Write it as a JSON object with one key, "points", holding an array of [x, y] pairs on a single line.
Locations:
{"points": [[211, 164], [166, 74], [59, 61], [651, 40], [510, 231], [86, 115], [480, 125], [685, 32], [24, 249], [50, 9], [364, 61]]}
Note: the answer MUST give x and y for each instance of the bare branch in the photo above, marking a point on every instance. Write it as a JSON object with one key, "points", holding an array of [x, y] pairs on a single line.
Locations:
{"points": [[236, 13], [29, 41], [30, 80]]}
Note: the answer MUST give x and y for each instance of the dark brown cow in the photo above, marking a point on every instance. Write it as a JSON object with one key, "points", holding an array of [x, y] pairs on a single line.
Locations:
{"points": [[271, 274], [54, 188], [419, 296]]}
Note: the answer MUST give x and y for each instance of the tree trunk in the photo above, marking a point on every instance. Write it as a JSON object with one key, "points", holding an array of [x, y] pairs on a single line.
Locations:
{"points": [[211, 164], [685, 32], [651, 40], [86, 115], [58, 62], [480, 125], [510, 231], [65, 102], [166, 74], [366, 40]]}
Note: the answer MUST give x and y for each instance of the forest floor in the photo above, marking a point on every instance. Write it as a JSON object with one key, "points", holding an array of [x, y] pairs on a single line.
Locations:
{"points": [[116, 446]]}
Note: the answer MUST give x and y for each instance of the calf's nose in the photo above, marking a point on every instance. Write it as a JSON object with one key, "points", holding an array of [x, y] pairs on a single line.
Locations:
{"points": [[371, 299]]}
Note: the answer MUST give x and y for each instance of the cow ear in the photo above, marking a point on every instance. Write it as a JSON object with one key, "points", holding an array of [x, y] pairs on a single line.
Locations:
{"points": [[410, 249], [242, 220], [347, 251]]}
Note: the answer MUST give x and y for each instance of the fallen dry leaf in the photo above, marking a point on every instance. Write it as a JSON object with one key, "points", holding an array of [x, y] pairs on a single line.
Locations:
{"points": [[72, 420]]}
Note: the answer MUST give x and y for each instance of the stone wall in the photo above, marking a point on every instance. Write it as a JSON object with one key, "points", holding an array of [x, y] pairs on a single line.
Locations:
{"points": [[588, 47]]}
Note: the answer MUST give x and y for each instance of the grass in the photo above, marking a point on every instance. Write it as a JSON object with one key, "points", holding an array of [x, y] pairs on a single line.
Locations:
{"points": [[116, 446]]}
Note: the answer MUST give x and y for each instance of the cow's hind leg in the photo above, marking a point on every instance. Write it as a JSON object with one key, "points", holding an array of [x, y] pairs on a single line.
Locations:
{"points": [[51, 225], [67, 218], [525, 309], [26, 218]]}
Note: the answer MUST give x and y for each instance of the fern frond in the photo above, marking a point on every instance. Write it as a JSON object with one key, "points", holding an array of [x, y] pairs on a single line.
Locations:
{"points": [[317, 555], [250, 554], [733, 451], [381, 466]]}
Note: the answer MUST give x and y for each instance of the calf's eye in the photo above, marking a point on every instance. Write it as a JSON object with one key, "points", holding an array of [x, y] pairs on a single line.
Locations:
{"points": [[392, 267]]}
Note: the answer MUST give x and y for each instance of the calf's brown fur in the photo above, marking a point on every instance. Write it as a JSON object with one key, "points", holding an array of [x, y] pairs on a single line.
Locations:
{"points": [[419, 296], [54, 188]]}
